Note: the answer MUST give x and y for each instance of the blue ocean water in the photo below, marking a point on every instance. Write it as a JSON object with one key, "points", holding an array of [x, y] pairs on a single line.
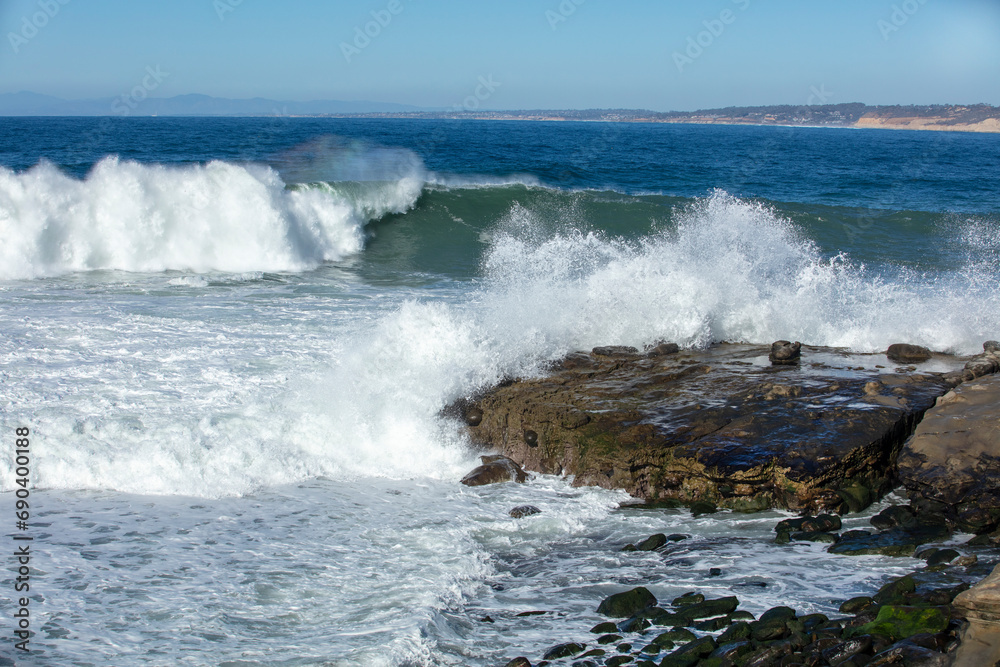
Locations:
{"points": [[233, 338]]}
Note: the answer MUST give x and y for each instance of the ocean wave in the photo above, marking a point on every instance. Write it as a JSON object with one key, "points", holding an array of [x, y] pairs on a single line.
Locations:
{"points": [[728, 270], [214, 217]]}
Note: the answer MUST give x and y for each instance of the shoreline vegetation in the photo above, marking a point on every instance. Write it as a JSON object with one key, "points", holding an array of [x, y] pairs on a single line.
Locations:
{"points": [[981, 118]]}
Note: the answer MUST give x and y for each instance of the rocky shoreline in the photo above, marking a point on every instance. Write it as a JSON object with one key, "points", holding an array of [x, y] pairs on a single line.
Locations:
{"points": [[818, 431]]}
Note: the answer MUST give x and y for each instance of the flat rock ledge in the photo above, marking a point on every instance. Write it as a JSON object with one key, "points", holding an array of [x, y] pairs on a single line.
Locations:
{"points": [[953, 457], [724, 426]]}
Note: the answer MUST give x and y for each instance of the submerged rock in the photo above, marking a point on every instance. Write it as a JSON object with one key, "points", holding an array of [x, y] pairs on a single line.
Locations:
{"points": [[495, 469], [714, 426], [523, 511], [652, 543]]}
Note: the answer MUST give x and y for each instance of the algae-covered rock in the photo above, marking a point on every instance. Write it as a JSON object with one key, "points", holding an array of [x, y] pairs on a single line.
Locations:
{"points": [[896, 591], [690, 654], [604, 628], [688, 599], [627, 604], [675, 636], [564, 651], [856, 605], [900, 622], [737, 632], [713, 426], [708, 609]]}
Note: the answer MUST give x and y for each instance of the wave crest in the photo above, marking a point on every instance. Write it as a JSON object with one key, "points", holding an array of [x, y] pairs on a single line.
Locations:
{"points": [[214, 217]]}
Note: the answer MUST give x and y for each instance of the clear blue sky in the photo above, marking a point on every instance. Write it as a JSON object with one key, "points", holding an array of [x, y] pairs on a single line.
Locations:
{"points": [[626, 54]]}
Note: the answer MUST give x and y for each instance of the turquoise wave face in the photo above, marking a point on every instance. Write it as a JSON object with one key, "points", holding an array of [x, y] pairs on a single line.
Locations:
{"points": [[449, 229]]}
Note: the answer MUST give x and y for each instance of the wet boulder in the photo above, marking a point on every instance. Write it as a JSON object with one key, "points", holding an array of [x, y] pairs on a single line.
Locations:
{"points": [[902, 622], [495, 470], [784, 353], [904, 353], [523, 511], [627, 604]]}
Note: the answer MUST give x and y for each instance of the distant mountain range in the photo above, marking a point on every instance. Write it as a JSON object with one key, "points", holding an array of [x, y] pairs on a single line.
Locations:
{"points": [[33, 104]]}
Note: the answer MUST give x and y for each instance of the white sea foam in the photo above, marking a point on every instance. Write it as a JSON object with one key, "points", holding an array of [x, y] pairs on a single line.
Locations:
{"points": [[729, 270], [168, 397], [219, 216]]}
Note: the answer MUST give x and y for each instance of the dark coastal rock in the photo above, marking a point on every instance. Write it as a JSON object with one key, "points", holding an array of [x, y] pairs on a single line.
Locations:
{"points": [[615, 351], [688, 599], [567, 650], [737, 632], [839, 653], [495, 469], [784, 353], [815, 536], [907, 354], [902, 622], [523, 511], [688, 614], [690, 654], [720, 426], [700, 507], [942, 557], [518, 662], [900, 541], [857, 605], [953, 457], [891, 517], [473, 416], [661, 349], [627, 604], [732, 652], [896, 591], [909, 654], [604, 628], [652, 543]]}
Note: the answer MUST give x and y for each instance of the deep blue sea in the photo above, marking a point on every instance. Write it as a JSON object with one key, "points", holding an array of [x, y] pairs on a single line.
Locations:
{"points": [[232, 340]]}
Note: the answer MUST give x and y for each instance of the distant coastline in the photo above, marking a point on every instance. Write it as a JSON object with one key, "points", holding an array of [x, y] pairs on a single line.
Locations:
{"points": [[981, 118]]}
